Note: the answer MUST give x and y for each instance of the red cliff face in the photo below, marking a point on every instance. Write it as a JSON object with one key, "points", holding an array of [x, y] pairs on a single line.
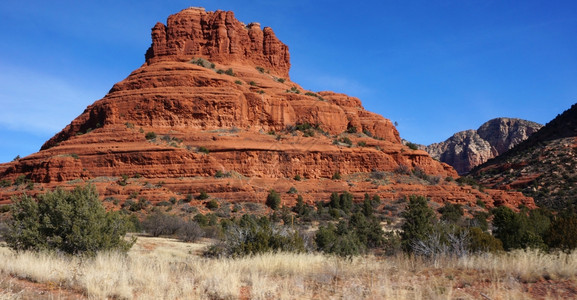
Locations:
{"points": [[220, 38], [214, 98]]}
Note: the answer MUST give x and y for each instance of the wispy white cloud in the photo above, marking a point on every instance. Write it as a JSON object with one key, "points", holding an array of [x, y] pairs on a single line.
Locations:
{"points": [[38, 103]]}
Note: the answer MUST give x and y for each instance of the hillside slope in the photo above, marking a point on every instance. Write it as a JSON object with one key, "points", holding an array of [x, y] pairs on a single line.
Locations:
{"points": [[544, 166]]}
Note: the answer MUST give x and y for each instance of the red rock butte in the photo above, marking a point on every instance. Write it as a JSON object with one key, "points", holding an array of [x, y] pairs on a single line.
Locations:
{"points": [[213, 109]]}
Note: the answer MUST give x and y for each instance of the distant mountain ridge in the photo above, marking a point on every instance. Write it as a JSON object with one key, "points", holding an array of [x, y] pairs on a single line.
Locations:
{"points": [[544, 166], [467, 149]]}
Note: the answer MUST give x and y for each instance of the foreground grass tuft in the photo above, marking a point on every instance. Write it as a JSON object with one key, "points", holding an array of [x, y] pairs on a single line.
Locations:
{"points": [[167, 269]]}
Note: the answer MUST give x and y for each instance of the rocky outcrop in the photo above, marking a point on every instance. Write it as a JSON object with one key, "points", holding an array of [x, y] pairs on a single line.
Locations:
{"points": [[470, 148], [219, 37], [209, 112]]}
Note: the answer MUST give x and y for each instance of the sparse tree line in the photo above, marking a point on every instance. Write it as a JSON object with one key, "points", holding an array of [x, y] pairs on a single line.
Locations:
{"points": [[75, 222]]}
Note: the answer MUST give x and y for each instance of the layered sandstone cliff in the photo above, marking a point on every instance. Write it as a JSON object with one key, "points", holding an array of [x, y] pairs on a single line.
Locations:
{"points": [[467, 149], [213, 109]]}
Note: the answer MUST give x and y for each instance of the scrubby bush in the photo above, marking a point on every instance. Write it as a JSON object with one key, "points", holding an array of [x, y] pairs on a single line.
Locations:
{"points": [[150, 135], [480, 241], [338, 240], [444, 240], [273, 200], [190, 231], [5, 183], [562, 234], [159, 223], [343, 201], [204, 150], [73, 222], [202, 196], [517, 230], [412, 146], [451, 213], [212, 204], [252, 235]]}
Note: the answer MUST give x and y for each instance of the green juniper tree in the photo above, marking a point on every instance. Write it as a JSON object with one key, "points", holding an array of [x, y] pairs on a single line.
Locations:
{"points": [[419, 219], [73, 222]]}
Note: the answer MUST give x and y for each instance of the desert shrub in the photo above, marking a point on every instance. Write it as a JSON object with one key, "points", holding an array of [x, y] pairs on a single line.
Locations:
{"points": [[362, 144], [335, 201], [375, 174], [480, 220], [3, 230], [188, 198], [336, 176], [418, 222], [5, 183], [466, 180], [367, 207], [150, 135], [134, 224], [229, 72], [481, 241], [201, 219], [298, 177], [20, 180], [346, 140], [345, 201], [252, 235], [480, 203], [451, 212], [238, 82], [299, 207], [190, 231], [273, 200], [367, 229], [281, 80], [159, 223], [202, 196], [562, 233], [5, 208], [403, 170], [292, 190], [73, 222], [203, 150], [163, 203], [338, 240], [515, 230], [212, 204], [260, 69], [412, 146], [444, 240], [352, 129], [141, 204]]}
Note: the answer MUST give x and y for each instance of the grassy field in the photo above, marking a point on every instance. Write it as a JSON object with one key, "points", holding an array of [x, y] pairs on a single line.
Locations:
{"points": [[159, 268]]}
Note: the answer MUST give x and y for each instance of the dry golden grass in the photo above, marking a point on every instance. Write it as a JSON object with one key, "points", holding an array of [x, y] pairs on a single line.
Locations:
{"points": [[167, 269]]}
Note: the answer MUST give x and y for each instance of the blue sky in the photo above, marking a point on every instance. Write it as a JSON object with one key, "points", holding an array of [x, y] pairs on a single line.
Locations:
{"points": [[435, 67]]}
